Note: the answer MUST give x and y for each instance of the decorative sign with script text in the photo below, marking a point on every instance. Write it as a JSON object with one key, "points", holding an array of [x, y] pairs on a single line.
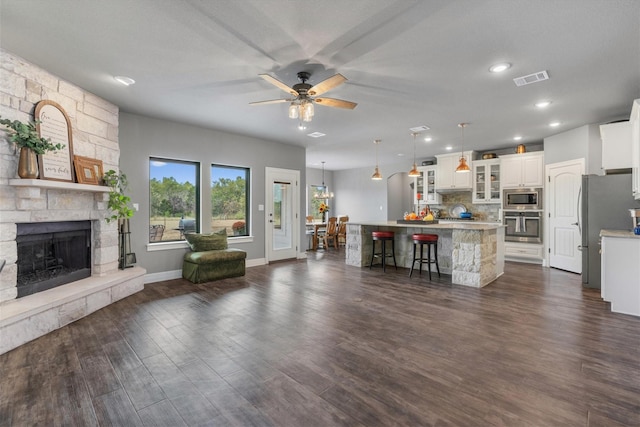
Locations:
{"points": [[55, 125]]}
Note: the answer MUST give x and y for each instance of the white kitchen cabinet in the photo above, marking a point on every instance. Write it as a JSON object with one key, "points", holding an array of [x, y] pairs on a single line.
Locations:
{"points": [[522, 170], [424, 190], [616, 145], [446, 176], [486, 181], [634, 121], [620, 283], [525, 252]]}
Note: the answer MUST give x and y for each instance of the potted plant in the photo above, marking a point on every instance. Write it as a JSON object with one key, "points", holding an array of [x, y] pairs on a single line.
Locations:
{"points": [[238, 228], [119, 205], [25, 136]]}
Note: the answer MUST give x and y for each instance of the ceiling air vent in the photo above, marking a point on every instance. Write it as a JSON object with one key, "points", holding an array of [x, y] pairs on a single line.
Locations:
{"points": [[419, 129], [531, 78]]}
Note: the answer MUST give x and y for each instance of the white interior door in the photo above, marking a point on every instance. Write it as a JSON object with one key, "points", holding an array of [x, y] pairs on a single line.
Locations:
{"points": [[282, 223], [563, 196]]}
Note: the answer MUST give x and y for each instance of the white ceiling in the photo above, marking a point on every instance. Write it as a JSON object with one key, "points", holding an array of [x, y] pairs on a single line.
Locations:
{"points": [[409, 63]]}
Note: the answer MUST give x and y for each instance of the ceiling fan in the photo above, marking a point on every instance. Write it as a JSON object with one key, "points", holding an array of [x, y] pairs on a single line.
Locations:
{"points": [[305, 95]]}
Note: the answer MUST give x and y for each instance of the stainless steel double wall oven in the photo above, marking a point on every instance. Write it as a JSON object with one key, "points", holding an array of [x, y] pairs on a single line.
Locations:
{"points": [[522, 214]]}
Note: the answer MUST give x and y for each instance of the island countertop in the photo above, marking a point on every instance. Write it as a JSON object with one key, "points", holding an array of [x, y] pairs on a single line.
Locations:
{"points": [[462, 225]]}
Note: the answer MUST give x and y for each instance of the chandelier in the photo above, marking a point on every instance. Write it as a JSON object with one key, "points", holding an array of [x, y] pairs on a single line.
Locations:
{"points": [[324, 194]]}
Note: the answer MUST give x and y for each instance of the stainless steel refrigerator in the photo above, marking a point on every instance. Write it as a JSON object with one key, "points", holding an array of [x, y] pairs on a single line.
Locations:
{"points": [[605, 202]]}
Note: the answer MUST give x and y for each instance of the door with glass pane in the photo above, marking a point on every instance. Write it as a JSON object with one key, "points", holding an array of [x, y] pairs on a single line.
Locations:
{"points": [[282, 223]]}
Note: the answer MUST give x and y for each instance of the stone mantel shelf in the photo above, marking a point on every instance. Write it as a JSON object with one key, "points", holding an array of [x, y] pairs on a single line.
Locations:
{"points": [[60, 185]]}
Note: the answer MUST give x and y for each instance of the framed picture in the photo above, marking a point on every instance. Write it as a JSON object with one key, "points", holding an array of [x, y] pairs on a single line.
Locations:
{"points": [[88, 171], [53, 123], [97, 166]]}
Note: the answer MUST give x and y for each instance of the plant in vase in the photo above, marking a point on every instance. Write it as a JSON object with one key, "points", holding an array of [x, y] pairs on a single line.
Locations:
{"points": [[25, 136], [323, 209], [238, 228], [119, 205]]}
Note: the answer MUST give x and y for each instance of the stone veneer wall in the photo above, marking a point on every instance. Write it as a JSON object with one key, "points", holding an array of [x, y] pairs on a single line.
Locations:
{"points": [[94, 124]]}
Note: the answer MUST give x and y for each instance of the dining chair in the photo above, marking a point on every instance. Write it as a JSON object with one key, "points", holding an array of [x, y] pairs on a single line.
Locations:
{"points": [[331, 233], [342, 230], [310, 231]]}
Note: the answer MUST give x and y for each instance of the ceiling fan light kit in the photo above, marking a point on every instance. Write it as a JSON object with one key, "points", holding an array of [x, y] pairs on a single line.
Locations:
{"points": [[301, 106]]}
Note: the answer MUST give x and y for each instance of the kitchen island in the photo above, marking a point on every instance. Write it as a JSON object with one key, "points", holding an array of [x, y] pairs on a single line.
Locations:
{"points": [[473, 254]]}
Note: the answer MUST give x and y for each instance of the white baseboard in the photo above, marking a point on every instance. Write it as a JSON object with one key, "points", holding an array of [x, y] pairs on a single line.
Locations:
{"points": [[177, 274], [162, 275], [256, 262]]}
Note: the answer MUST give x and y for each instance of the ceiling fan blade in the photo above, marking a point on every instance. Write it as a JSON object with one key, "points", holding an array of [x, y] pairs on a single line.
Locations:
{"points": [[277, 83], [327, 84], [271, 101], [332, 102]]}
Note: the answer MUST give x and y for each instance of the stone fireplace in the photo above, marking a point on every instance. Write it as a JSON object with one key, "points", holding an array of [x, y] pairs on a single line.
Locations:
{"points": [[29, 204]]}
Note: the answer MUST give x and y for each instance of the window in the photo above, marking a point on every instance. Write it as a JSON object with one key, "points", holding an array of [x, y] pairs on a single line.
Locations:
{"points": [[174, 193], [315, 200], [230, 199]]}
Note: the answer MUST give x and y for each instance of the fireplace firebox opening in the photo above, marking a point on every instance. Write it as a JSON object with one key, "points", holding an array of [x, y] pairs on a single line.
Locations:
{"points": [[51, 254]]}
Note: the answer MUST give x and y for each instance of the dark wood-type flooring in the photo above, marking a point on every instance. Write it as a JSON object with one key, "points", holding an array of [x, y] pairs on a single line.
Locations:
{"points": [[320, 343]]}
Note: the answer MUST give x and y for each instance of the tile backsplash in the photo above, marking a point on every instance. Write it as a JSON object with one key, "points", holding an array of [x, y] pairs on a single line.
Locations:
{"points": [[484, 211]]}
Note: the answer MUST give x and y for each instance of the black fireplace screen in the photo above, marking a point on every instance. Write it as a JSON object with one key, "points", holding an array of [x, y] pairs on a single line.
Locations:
{"points": [[51, 254]]}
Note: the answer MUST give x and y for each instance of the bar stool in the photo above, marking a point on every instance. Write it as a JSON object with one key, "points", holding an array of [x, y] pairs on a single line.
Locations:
{"points": [[429, 240], [383, 237]]}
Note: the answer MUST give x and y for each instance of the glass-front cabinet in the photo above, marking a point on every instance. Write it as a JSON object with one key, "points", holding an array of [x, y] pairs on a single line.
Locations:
{"points": [[424, 190], [486, 181]]}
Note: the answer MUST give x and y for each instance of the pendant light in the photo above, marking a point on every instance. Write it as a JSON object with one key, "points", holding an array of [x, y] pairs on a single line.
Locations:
{"points": [[414, 170], [463, 166], [324, 194], [377, 176]]}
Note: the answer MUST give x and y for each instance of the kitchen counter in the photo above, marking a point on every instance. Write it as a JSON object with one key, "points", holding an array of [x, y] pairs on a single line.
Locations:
{"points": [[620, 257], [619, 233], [472, 253]]}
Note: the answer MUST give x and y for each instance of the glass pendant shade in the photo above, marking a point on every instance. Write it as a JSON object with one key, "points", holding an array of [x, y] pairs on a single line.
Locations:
{"points": [[293, 111], [306, 111]]}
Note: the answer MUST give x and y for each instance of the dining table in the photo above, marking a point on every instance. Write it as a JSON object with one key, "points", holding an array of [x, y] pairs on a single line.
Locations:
{"points": [[317, 228]]}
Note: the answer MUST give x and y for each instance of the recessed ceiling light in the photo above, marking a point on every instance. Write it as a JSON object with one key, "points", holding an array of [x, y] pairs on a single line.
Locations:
{"points": [[498, 68], [428, 139], [554, 124], [543, 104], [301, 126], [127, 81], [517, 138], [400, 154], [448, 147], [316, 134]]}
